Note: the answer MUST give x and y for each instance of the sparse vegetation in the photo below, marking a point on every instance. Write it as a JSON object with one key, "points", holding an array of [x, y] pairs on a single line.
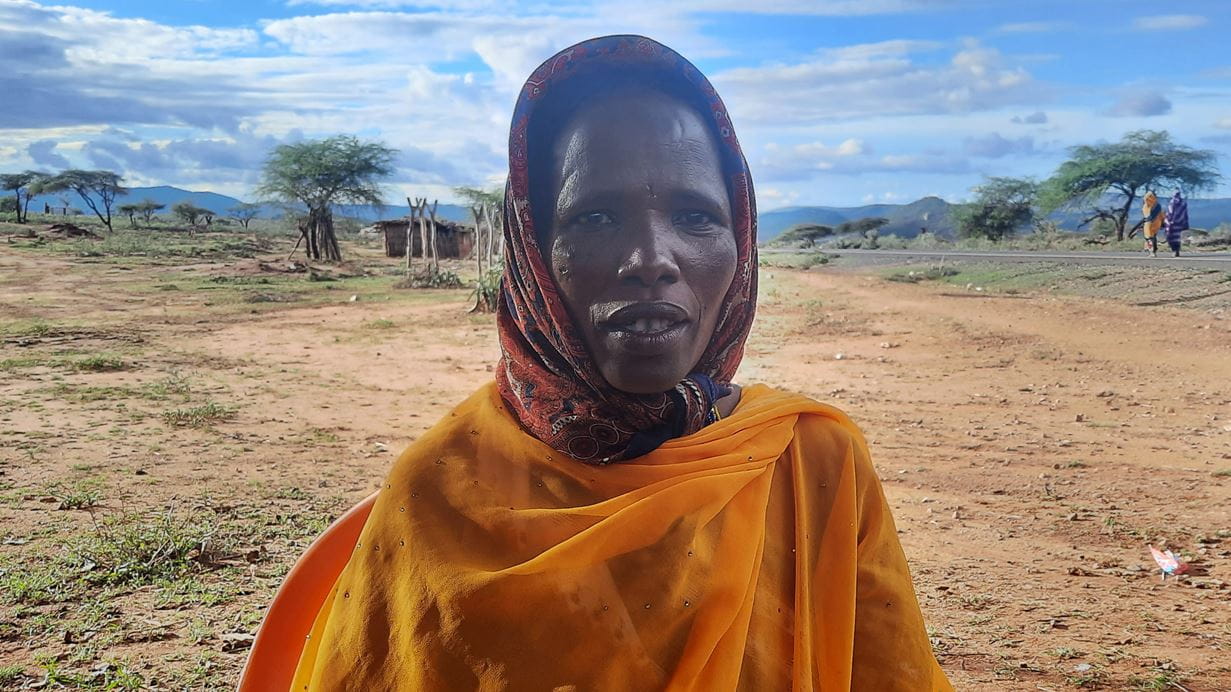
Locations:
{"points": [[136, 550], [486, 292], [80, 495], [913, 276], [198, 416], [99, 363]]}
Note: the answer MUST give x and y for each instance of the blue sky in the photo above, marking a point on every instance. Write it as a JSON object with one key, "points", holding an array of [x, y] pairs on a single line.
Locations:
{"points": [[837, 102]]}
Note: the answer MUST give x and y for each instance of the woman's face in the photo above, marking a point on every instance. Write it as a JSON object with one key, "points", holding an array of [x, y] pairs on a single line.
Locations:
{"points": [[640, 242]]}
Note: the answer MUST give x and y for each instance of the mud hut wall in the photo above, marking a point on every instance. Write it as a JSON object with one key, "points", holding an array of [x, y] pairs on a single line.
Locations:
{"points": [[452, 241]]}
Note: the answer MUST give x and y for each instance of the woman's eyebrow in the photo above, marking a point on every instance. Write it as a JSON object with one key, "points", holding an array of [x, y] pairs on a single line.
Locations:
{"points": [[588, 197]]}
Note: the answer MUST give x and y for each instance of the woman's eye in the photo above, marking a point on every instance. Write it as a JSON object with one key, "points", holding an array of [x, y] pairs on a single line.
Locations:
{"points": [[694, 219], [593, 218]]}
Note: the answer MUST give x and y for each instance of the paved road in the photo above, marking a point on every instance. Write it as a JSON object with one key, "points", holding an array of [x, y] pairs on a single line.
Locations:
{"points": [[1209, 260]]}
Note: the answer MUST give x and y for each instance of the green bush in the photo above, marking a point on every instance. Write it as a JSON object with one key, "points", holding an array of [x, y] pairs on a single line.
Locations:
{"points": [[486, 292]]}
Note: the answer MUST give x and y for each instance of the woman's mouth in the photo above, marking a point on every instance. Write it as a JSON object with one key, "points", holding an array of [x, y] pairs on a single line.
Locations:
{"points": [[645, 329], [649, 325]]}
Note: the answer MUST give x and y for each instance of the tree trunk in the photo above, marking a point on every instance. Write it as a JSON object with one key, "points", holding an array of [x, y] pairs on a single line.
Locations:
{"points": [[435, 257], [17, 194], [477, 247], [422, 201], [410, 224], [322, 242], [331, 238], [1122, 213], [495, 237]]}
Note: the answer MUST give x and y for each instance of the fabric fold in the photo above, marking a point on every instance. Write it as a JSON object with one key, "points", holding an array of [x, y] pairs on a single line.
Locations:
{"points": [[723, 560]]}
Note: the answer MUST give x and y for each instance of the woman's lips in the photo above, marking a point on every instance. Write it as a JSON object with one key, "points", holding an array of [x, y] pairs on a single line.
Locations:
{"points": [[645, 329], [648, 339]]}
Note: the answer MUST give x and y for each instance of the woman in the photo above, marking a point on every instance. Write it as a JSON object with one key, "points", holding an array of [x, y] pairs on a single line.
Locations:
{"points": [[1177, 222], [612, 513], [1152, 213]]}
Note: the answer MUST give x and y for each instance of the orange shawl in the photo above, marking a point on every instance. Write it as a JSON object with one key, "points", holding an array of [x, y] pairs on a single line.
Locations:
{"points": [[757, 553]]}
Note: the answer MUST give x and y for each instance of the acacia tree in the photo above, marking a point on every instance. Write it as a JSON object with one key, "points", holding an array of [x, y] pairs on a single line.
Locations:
{"points": [[189, 212], [131, 211], [23, 186], [802, 235], [1001, 206], [244, 213], [1108, 177], [95, 188], [319, 174], [147, 208]]}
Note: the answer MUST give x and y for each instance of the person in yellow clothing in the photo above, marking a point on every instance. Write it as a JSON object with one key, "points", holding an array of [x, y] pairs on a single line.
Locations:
{"points": [[612, 513], [1152, 213]]}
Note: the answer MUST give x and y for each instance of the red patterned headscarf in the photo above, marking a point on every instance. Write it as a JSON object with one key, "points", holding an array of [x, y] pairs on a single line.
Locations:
{"points": [[546, 374]]}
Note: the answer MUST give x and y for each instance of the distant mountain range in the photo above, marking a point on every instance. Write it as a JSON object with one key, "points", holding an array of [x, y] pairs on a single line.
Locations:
{"points": [[906, 220], [219, 204], [933, 213]]}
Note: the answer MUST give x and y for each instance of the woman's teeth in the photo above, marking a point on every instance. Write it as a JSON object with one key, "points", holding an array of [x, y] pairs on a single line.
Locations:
{"points": [[649, 326]]}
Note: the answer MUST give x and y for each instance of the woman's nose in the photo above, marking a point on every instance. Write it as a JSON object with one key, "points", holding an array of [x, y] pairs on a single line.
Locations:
{"points": [[649, 260]]}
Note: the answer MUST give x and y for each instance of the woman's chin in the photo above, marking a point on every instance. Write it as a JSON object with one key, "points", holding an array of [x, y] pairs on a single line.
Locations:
{"points": [[644, 377]]}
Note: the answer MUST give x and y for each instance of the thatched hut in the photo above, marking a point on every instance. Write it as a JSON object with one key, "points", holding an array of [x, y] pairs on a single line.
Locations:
{"points": [[452, 239]]}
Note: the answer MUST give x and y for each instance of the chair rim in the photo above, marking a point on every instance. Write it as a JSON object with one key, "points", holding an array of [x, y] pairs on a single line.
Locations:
{"points": [[279, 641]]}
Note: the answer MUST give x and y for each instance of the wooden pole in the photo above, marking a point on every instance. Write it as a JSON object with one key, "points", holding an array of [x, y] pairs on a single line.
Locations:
{"points": [[491, 235], [477, 247], [435, 257], [410, 224], [421, 204]]}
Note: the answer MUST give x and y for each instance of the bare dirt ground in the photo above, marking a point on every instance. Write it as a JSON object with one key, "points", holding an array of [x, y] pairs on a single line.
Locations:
{"points": [[174, 432]]}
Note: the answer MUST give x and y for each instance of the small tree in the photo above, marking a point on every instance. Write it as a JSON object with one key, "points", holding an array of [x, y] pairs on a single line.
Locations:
{"points": [[189, 212], [1001, 206], [244, 213], [23, 186], [88, 185], [868, 226], [147, 208], [1108, 177], [319, 174], [803, 235], [131, 211]]}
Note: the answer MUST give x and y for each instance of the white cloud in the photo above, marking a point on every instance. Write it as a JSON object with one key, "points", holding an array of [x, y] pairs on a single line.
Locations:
{"points": [[849, 147], [1169, 22], [875, 79], [404, 4], [824, 7], [1032, 27], [776, 197], [787, 7], [1223, 123], [1142, 104], [1035, 118], [994, 145]]}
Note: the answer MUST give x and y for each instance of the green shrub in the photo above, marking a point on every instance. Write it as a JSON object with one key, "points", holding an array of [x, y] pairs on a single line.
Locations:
{"points": [[486, 292]]}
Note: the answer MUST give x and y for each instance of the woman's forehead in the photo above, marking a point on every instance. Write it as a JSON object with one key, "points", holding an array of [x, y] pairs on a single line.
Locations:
{"points": [[652, 137], [664, 149]]}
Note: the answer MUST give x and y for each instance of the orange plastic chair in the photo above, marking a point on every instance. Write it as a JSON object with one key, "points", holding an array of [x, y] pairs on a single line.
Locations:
{"points": [[280, 640]]}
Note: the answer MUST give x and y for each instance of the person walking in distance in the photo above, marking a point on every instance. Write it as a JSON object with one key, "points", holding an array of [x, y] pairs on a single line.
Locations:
{"points": [[1177, 221], [1152, 211]]}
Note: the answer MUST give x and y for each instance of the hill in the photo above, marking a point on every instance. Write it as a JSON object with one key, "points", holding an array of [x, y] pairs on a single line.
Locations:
{"points": [[932, 213], [219, 204], [905, 220]]}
